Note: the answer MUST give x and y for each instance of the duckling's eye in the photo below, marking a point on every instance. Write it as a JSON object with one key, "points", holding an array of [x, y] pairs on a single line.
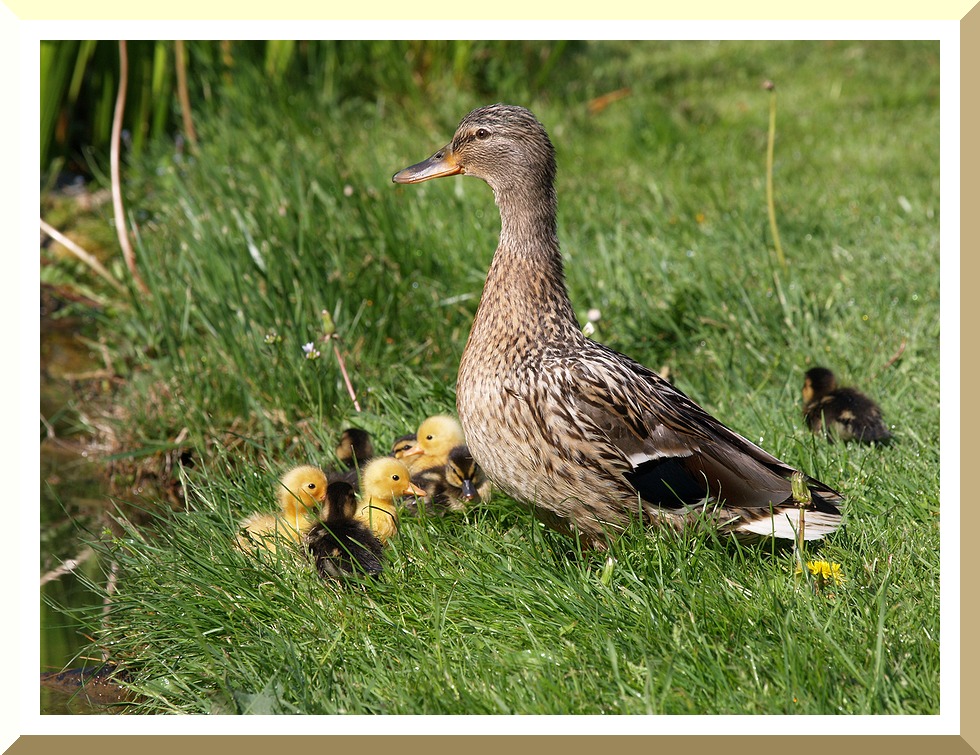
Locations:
{"points": [[311, 485], [428, 437], [395, 478], [482, 133]]}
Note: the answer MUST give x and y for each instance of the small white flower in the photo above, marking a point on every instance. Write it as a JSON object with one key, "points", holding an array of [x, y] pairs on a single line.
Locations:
{"points": [[310, 350], [593, 315]]}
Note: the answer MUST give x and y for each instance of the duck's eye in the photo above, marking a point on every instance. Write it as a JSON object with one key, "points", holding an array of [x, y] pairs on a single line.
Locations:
{"points": [[482, 133], [395, 477], [428, 437], [311, 485]]}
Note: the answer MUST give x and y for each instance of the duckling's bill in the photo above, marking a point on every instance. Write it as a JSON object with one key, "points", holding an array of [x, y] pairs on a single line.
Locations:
{"points": [[415, 490], [442, 163], [414, 450], [469, 491]]}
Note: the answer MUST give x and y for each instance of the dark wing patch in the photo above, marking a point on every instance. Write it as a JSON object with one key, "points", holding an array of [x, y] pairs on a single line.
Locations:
{"points": [[674, 453], [667, 482]]}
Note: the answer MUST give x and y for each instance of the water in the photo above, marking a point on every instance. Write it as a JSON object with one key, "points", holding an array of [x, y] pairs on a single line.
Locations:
{"points": [[72, 494]]}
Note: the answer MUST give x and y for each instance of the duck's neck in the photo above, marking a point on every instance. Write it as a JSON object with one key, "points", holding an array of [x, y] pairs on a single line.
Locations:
{"points": [[526, 282]]}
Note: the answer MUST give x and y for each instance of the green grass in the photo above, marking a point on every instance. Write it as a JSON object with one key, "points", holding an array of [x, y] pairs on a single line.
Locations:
{"points": [[288, 209]]}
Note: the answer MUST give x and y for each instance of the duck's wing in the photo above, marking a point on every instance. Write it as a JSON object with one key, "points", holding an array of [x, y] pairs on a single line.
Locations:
{"points": [[671, 451]]}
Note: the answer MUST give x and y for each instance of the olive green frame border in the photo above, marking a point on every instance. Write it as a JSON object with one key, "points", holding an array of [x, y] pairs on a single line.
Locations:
{"points": [[704, 737]]}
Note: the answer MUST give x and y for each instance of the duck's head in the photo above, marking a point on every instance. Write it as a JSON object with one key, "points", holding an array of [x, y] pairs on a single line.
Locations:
{"points": [[505, 145], [386, 478], [305, 486], [402, 444], [817, 383], [341, 502], [464, 473], [355, 446], [436, 437]]}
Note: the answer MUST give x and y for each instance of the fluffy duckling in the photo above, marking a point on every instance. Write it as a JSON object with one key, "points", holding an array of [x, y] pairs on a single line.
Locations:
{"points": [[403, 444], [302, 491], [383, 480], [354, 451], [583, 434], [464, 477], [355, 448], [843, 413], [454, 485], [340, 544], [436, 437]]}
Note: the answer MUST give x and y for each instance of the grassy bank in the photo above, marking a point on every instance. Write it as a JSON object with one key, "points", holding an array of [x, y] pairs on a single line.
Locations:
{"points": [[287, 210]]}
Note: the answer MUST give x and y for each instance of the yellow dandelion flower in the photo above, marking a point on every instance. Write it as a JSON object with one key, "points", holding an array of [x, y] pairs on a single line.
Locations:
{"points": [[826, 572]]}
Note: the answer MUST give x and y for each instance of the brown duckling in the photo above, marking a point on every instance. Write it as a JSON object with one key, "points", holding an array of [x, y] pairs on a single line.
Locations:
{"points": [[585, 435], [843, 413], [384, 480], [403, 444], [355, 448], [465, 479], [353, 452], [302, 492], [453, 486], [340, 544]]}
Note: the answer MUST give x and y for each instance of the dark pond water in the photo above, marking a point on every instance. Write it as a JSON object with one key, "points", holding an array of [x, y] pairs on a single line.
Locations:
{"points": [[72, 497]]}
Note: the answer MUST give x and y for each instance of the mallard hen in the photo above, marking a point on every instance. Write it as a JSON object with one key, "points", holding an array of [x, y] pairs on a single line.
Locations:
{"points": [[587, 436], [340, 544], [843, 413]]}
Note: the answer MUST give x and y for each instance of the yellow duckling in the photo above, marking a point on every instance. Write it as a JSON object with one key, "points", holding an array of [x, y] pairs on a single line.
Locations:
{"points": [[437, 436], [384, 479], [302, 492]]}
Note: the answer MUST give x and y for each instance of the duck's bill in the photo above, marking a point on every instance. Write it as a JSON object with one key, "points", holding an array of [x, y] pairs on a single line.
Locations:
{"points": [[416, 491], [415, 450], [442, 163], [469, 491]]}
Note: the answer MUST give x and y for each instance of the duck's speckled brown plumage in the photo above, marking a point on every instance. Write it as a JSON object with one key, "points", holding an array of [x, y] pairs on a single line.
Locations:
{"points": [[841, 413], [586, 436]]}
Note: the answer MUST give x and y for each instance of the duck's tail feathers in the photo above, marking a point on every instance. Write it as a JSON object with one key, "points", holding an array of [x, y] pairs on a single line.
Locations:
{"points": [[786, 523]]}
